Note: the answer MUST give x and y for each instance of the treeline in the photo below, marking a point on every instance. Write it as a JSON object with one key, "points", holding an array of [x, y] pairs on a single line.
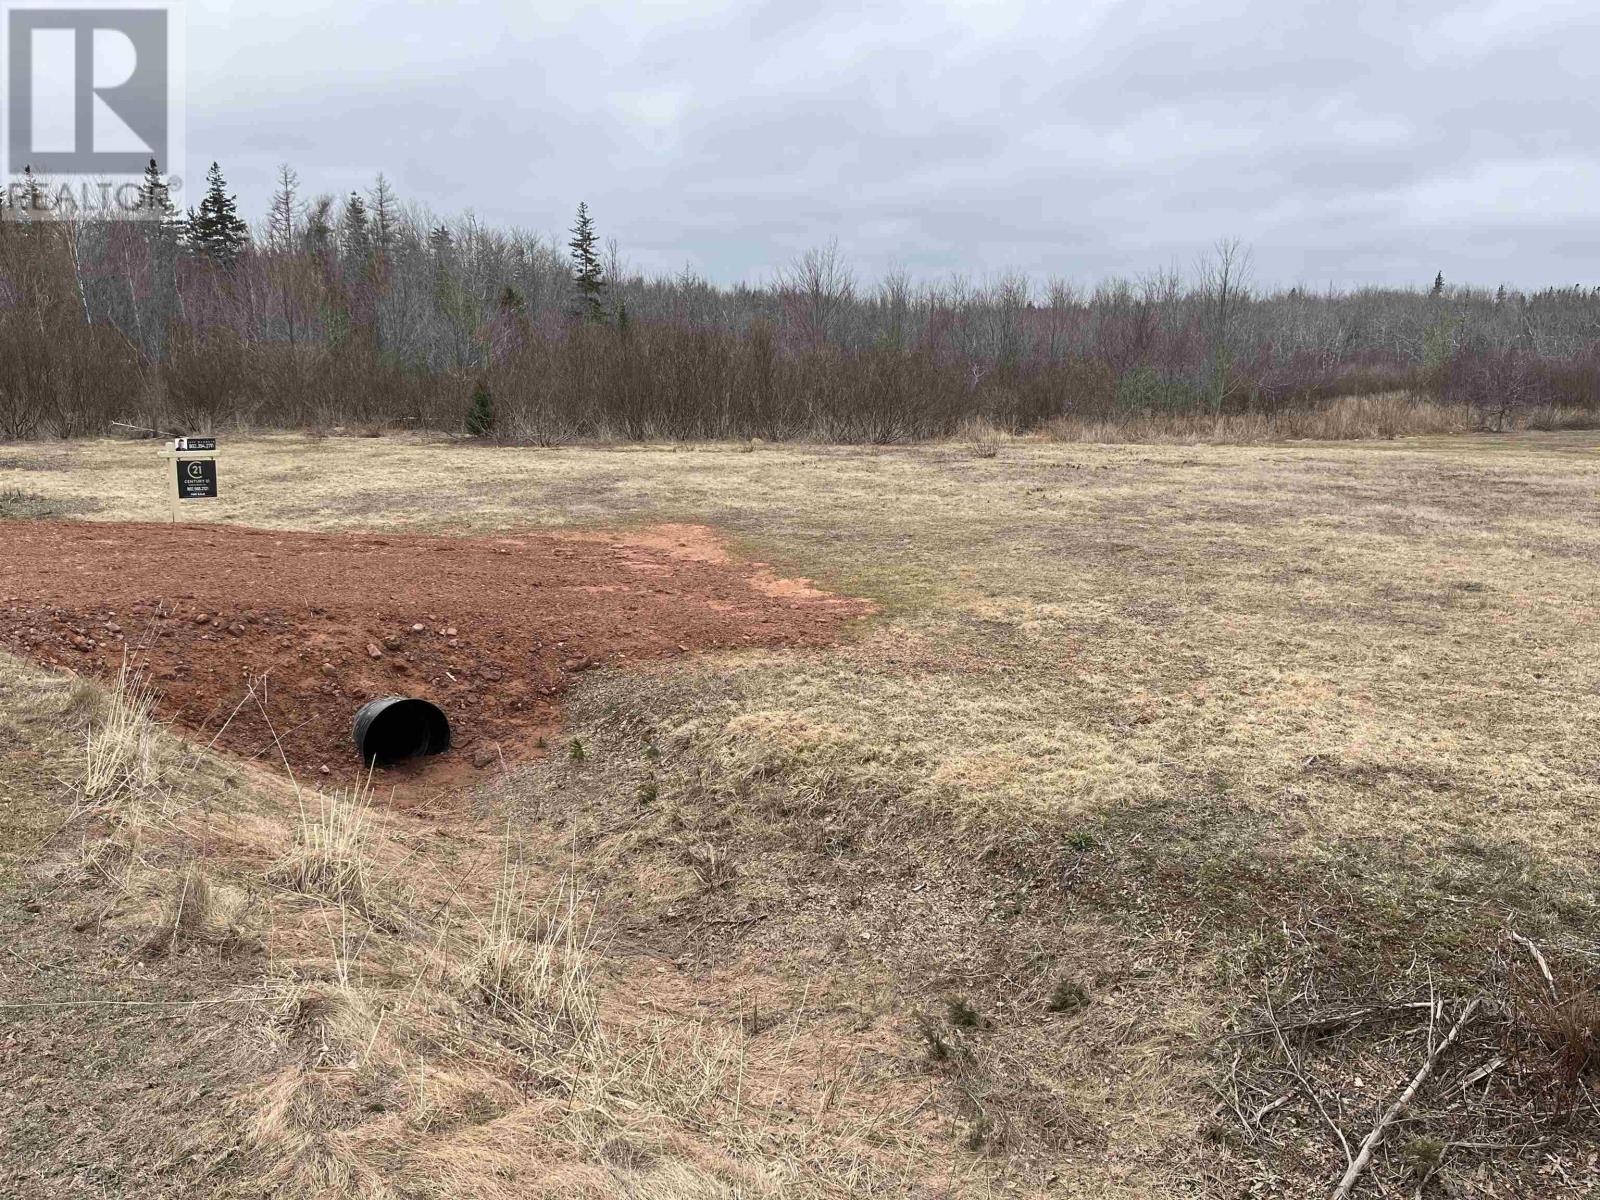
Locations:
{"points": [[364, 310]]}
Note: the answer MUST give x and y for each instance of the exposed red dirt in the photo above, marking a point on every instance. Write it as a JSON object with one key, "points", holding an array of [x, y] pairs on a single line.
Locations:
{"points": [[261, 638]]}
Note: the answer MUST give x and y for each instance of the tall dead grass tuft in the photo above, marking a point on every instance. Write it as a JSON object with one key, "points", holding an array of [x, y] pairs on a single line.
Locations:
{"points": [[1559, 1038], [329, 853], [188, 913], [119, 765], [532, 965]]}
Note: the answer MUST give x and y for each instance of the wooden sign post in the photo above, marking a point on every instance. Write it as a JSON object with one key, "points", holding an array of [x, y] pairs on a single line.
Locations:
{"points": [[193, 475]]}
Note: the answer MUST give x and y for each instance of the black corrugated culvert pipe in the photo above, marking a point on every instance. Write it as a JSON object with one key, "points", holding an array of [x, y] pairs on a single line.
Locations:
{"points": [[396, 728]]}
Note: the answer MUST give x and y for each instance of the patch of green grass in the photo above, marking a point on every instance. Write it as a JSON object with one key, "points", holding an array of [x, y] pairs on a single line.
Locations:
{"points": [[17, 505], [23, 462], [979, 1132], [961, 1013], [938, 1049], [1068, 996]]}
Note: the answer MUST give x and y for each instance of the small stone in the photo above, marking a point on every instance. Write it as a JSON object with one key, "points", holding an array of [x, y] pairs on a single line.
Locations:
{"points": [[202, 618], [373, 651], [327, 668], [451, 632], [113, 627], [323, 770], [236, 629], [418, 628]]}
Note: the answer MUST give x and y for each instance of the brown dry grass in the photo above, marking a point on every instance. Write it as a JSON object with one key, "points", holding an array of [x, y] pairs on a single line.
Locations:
{"points": [[1349, 418], [1177, 726]]}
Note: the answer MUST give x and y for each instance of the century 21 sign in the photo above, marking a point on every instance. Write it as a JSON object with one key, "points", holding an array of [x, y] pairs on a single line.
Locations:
{"points": [[197, 478], [194, 463]]}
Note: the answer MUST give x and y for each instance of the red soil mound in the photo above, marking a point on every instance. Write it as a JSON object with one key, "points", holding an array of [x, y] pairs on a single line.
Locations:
{"points": [[264, 639]]}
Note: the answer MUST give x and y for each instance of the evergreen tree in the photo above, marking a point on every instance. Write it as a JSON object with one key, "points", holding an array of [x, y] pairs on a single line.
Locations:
{"points": [[155, 199], [215, 231], [385, 211], [1438, 284], [355, 238], [439, 240], [33, 198], [480, 417], [588, 280], [319, 227]]}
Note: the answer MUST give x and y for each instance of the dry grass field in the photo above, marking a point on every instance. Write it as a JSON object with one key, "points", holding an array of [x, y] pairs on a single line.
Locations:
{"points": [[1176, 804]]}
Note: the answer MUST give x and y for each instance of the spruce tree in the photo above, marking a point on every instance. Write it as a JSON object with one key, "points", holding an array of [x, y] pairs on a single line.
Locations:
{"points": [[318, 235], [215, 231], [480, 417], [385, 210], [33, 197], [588, 281], [1438, 285], [355, 238], [154, 202]]}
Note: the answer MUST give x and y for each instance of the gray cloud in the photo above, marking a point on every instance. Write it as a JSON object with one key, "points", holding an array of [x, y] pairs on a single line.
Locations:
{"points": [[1348, 142]]}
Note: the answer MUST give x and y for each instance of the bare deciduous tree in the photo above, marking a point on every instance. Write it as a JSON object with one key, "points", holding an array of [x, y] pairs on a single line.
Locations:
{"points": [[1224, 280], [816, 288]]}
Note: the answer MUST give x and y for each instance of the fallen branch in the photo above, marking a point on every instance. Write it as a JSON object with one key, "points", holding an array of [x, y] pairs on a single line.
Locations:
{"points": [[1319, 1021], [1483, 1072], [1266, 1110], [1544, 967], [1364, 1155]]}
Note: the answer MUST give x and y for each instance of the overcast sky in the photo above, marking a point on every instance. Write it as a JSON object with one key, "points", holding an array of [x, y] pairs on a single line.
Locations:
{"points": [[1347, 143]]}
